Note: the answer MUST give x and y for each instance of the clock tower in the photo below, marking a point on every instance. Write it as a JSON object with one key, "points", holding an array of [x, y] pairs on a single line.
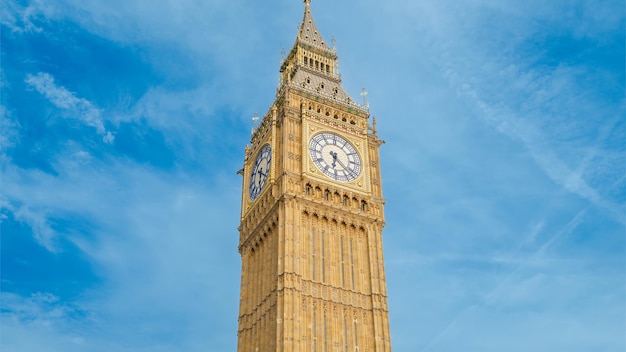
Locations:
{"points": [[312, 215]]}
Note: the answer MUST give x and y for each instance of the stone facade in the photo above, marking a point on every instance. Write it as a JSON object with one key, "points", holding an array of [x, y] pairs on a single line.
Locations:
{"points": [[311, 245]]}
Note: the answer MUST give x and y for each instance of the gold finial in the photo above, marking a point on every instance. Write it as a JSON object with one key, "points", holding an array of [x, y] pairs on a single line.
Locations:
{"points": [[255, 122], [364, 95]]}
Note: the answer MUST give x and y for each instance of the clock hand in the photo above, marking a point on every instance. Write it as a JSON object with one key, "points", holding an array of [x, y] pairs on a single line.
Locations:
{"points": [[340, 162], [334, 155], [350, 171]]}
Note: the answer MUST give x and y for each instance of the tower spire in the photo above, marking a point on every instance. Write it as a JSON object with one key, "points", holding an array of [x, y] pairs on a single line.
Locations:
{"points": [[312, 65], [309, 34]]}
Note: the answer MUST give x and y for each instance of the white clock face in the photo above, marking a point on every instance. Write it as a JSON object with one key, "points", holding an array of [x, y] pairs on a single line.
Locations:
{"points": [[335, 157], [260, 171]]}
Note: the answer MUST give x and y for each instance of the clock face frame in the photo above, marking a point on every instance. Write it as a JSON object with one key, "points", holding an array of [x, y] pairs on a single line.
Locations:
{"points": [[260, 172], [334, 156]]}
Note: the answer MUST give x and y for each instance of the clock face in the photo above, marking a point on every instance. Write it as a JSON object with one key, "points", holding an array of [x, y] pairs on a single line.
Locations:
{"points": [[335, 157], [260, 171]]}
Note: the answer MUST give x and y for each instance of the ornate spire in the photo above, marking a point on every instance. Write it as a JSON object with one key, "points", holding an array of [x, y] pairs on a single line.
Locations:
{"points": [[311, 65], [308, 30]]}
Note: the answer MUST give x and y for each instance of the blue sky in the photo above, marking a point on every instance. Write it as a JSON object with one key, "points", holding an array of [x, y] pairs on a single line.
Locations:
{"points": [[123, 123]]}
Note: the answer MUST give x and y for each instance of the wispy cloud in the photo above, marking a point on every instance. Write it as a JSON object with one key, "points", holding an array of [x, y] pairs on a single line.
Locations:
{"points": [[136, 207], [39, 322], [17, 18], [8, 130], [530, 102], [515, 127], [62, 98], [38, 222]]}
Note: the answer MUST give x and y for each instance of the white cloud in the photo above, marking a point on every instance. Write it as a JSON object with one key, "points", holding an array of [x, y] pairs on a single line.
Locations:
{"points": [[9, 128], [509, 123], [37, 323], [30, 18], [18, 19], [156, 240], [43, 233], [531, 104], [62, 98], [9, 134]]}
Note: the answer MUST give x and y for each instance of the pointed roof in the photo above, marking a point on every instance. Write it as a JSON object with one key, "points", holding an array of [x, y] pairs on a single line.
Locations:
{"points": [[322, 81], [309, 34]]}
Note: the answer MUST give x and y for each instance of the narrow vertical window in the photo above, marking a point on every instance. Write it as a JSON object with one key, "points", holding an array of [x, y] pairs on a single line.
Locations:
{"points": [[313, 254], [323, 258], [343, 278], [306, 60], [356, 337], [325, 337], [352, 264], [345, 334], [314, 331]]}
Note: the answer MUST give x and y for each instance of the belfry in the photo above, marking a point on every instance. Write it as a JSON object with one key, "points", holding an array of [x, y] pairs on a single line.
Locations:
{"points": [[312, 215]]}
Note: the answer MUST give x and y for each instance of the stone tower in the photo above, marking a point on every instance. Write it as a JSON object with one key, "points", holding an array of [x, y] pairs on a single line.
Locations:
{"points": [[312, 215]]}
